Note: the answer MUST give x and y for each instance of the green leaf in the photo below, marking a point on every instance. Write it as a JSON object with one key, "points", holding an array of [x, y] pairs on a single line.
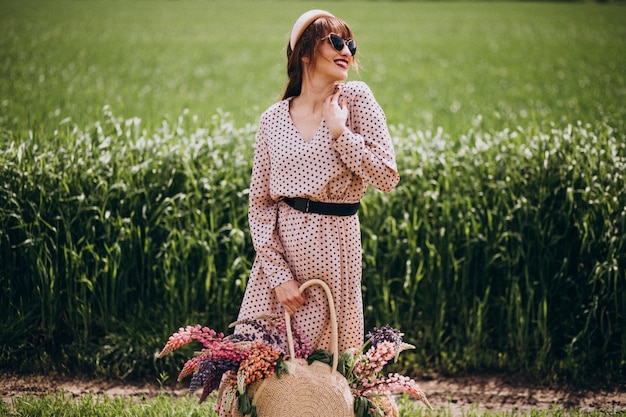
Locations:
{"points": [[345, 363], [244, 404], [281, 367], [361, 406], [321, 355]]}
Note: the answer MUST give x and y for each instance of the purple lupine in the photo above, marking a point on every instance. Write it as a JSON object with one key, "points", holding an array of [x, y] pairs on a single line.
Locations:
{"points": [[385, 334]]}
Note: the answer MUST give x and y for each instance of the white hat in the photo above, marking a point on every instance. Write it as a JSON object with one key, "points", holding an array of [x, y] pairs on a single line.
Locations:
{"points": [[303, 22]]}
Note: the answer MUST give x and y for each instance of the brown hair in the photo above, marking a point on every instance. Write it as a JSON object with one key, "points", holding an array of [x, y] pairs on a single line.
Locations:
{"points": [[306, 45]]}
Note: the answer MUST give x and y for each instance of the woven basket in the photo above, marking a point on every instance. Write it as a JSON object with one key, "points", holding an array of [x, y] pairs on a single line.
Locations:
{"points": [[315, 390]]}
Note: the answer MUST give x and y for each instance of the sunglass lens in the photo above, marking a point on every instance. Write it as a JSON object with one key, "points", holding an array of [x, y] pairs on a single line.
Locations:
{"points": [[337, 41], [352, 47]]}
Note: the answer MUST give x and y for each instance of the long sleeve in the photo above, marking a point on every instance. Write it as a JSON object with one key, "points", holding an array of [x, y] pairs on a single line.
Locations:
{"points": [[365, 146], [262, 215]]}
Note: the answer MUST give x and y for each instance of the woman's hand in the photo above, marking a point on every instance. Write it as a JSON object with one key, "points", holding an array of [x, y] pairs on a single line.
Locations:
{"points": [[289, 296], [336, 113]]}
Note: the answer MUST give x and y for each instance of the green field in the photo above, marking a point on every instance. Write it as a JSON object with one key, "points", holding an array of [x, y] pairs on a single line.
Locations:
{"points": [[429, 64], [126, 132]]}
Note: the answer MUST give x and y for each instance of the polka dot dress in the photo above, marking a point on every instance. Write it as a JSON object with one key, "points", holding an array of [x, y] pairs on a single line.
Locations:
{"points": [[302, 246]]}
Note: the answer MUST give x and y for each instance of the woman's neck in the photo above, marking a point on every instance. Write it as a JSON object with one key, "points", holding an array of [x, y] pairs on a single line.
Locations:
{"points": [[314, 94]]}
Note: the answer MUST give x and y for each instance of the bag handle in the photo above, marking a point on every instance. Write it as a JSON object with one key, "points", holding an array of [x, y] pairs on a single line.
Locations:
{"points": [[333, 323]]}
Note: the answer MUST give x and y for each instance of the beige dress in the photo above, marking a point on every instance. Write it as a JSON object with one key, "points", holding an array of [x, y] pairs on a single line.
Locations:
{"points": [[294, 245]]}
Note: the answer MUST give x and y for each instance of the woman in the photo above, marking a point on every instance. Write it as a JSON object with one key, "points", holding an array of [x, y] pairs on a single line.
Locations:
{"points": [[316, 152]]}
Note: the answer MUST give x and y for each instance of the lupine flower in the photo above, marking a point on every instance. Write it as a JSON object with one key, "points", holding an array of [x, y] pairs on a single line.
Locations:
{"points": [[400, 383], [272, 328], [209, 374], [381, 353], [189, 368], [263, 327], [243, 361], [385, 334], [301, 345], [225, 350], [259, 364], [185, 335], [363, 371], [389, 334], [386, 405], [368, 365]]}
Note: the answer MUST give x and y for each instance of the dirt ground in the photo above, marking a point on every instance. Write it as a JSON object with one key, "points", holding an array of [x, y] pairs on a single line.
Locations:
{"points": [[459, 395]]}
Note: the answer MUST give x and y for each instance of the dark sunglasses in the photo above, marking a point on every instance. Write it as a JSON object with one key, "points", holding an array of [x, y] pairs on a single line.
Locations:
{"points": [[338, 43]]}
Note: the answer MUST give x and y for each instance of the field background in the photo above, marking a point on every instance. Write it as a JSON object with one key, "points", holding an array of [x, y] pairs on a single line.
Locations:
{"points": [[126, 132], [429, 64]]}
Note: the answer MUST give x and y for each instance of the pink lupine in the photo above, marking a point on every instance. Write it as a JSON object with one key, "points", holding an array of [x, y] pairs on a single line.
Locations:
{"points": [[178, 339], [183, 336], [371, 363], [401, 383], [301, 345], [381, 354], [388, 404], [190, 367]]}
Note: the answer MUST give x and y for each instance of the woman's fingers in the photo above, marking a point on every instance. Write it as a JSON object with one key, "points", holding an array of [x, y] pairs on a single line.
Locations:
{"points": [[289, 296]]}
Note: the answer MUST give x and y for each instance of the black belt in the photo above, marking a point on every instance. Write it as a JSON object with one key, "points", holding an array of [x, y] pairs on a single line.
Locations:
{"points": [[333, 209]]}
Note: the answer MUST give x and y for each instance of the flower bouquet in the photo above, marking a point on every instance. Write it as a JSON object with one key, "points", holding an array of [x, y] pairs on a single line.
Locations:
{"points": [[372, 390], [232, 363]]}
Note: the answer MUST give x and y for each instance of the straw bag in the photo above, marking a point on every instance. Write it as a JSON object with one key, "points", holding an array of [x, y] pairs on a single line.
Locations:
{"points": [[315, 390]]}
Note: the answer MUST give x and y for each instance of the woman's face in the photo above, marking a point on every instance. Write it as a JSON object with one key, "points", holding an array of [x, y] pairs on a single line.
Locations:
{"points": [[331, 63]]}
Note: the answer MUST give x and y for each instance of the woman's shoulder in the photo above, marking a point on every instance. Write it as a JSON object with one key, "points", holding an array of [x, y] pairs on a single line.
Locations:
{"points": [[275, 110], [356, 88], [358, 92], [278, 106]]}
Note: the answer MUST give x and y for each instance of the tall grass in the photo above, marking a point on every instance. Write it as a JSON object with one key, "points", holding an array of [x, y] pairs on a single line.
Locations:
{"points": [[125, 228], [505, 249]]}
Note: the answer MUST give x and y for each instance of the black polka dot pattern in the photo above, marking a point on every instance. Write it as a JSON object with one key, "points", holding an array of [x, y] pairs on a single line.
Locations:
{"points": [[302, 246]]}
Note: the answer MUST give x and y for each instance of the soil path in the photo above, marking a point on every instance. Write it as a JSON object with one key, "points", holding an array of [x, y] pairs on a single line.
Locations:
{"points": [[459, 394]]}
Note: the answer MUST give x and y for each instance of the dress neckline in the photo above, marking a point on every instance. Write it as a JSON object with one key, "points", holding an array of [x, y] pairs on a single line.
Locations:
{"points": [[295, 127]]}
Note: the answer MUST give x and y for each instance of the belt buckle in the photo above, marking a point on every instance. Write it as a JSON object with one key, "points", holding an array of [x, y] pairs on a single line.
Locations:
{"points": [[302, 204]]}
